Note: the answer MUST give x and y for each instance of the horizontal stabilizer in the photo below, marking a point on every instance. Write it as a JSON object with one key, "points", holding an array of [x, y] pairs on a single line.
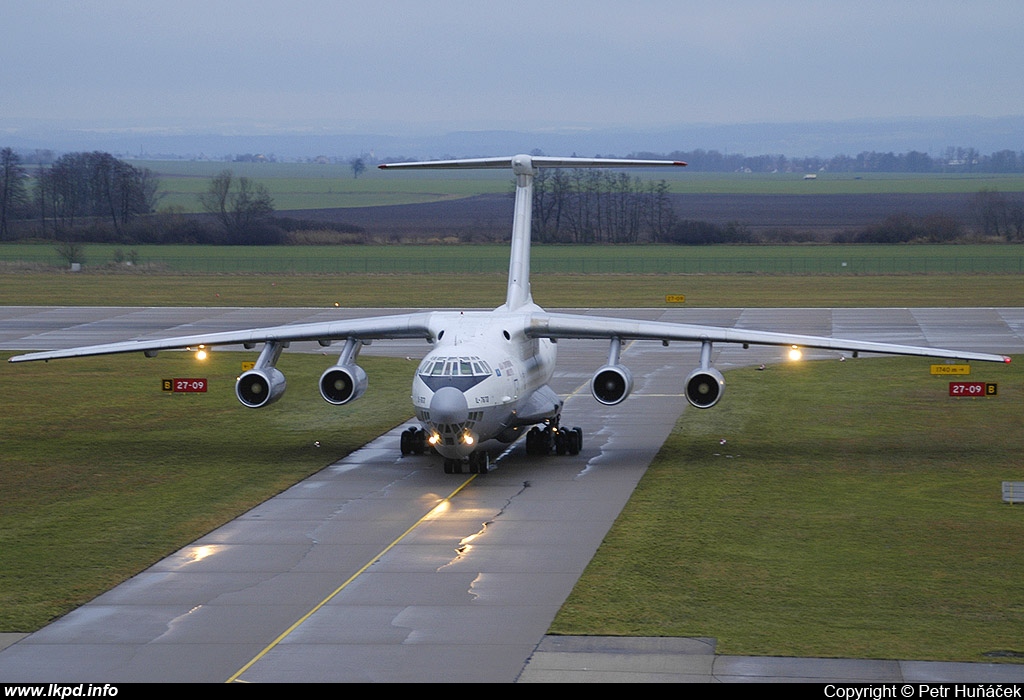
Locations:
{"points": [[515, 162]]}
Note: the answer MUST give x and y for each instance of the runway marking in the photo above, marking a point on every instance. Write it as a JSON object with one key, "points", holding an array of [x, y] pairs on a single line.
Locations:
{"points": [[281, 637]]}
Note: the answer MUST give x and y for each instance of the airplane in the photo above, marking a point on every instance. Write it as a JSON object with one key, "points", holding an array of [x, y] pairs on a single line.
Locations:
{"points": [[487, 374]]}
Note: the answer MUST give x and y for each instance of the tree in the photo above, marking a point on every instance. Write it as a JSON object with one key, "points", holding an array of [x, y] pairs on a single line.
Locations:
{"points": [[13, 193], [94, 185], [990, 209], [588, 206], [240, 205], [358, 166]]}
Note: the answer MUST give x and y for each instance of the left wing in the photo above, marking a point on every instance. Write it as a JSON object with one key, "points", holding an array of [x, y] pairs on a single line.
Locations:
{"points": [[415, 325], [553, 325]]}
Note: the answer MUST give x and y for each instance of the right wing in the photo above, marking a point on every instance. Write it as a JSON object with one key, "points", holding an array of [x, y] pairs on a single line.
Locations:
{"points": [[555, 325]]}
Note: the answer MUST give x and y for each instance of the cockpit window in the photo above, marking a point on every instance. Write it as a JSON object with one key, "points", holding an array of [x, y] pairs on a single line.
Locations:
{"points": [[455, 367]]}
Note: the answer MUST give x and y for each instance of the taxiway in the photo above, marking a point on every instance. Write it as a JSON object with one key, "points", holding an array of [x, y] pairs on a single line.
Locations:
{"points": [[382, 568]]}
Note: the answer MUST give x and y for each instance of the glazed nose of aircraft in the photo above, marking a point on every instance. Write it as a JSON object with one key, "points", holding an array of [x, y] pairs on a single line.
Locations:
{"points": [[448, 405]]}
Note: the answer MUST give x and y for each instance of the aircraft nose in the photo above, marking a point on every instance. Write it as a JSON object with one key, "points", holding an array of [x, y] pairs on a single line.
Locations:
{"points": [[448, 405]]}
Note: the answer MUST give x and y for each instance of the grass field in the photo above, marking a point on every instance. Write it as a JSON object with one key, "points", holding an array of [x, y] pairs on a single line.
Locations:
{"points": [[839, 260], [488, 291], [855, 510], [316, 186], [310, 186]]}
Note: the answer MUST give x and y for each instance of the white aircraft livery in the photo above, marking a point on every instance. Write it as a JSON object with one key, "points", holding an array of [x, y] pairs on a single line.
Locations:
{"points": [[486, 375]]}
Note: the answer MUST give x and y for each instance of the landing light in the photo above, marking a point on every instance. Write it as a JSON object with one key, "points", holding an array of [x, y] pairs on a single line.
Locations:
{"points": [[434, 439], [795, 354], [201, 353], [468, 438]]}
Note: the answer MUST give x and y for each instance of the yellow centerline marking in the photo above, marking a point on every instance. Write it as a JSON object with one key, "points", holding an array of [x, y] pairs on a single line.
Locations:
{"points": [[281, 637]]}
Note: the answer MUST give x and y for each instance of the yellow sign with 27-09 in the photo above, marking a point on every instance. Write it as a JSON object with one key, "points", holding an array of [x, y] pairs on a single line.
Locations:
{"points": [[950, 370]]}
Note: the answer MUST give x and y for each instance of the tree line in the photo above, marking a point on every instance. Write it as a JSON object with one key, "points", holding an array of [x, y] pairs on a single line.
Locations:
{"points": [[954, 159], [74, 188], [97, 197], [594, 206], [990, 216]]}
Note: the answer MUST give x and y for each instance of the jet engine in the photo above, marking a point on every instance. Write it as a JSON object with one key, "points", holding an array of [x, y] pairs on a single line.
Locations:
{"points": [[611, 384], [342, 383], [260, 387], [704, 387]]}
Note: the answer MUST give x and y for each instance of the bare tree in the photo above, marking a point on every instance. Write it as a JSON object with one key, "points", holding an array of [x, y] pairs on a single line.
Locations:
{"points": [[239, 204], [94, 185], [587, 206], [13, 193], [990, 209]]}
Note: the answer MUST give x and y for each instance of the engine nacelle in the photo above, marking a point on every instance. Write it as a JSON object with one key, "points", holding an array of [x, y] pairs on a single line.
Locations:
{"points": [[342, 383], [704, 387], [260, 387], [611, 384]]}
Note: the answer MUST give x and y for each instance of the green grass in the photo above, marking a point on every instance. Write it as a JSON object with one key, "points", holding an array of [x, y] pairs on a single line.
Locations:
{"points": [[435, 259], [103, 473], [854, 511], [312, 186], [488, 290]]}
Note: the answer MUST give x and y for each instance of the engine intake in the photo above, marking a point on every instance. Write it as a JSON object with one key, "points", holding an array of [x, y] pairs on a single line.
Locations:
{"points": [[611, 384], [704, 387], [260, 387], [342, 383]]}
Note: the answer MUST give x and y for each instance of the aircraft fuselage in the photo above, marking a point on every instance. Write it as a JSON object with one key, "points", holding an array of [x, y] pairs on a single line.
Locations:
{"points": [[483, 380]]}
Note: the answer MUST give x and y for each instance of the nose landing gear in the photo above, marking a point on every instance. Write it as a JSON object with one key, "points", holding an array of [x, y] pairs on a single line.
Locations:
{"points": [[478, 463]]}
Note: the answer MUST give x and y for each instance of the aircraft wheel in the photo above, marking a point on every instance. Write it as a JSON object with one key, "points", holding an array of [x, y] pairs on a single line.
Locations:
{"points": [[406, 441], [531, 441], [544, 443], [572, 441], [561, 440], [478, 463]]}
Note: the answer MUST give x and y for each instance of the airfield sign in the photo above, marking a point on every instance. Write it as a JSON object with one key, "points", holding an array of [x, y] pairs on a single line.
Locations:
{"points": [[189, 385], [951, 369], [971, 389]]}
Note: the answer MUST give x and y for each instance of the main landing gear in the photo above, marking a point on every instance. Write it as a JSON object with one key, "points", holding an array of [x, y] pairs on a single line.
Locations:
{"points": [[414, 441], [562, 441]]}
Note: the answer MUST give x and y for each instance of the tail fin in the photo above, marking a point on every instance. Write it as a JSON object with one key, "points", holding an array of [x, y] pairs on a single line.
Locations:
{"points": [[524, 167]]}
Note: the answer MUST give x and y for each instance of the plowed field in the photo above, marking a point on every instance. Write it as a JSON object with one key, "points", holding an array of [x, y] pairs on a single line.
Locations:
{"points": [[486, 217]]}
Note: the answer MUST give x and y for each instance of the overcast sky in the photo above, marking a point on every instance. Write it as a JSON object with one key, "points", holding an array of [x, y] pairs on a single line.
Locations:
{"points": [[392, 65]]}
